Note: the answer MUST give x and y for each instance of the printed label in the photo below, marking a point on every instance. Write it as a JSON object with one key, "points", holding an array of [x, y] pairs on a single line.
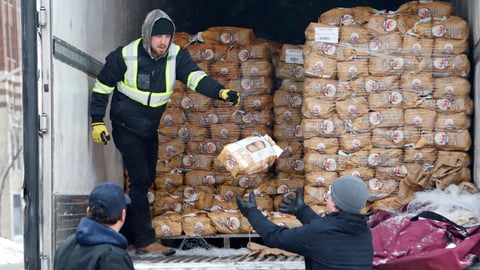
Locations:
{"points": [[293, 56], [326, 34]]}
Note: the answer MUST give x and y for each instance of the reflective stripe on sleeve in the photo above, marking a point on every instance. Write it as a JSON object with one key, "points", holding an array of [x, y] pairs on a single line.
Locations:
{"points": [[194, 78], [102, 88]]}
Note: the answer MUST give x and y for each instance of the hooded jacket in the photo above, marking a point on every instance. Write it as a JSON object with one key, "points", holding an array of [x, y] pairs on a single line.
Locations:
{"points": [[93, 246], [138, 118], [338, 241]]}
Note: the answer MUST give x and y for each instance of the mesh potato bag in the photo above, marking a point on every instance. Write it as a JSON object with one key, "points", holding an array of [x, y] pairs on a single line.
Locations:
{"points": [[250, 155]]}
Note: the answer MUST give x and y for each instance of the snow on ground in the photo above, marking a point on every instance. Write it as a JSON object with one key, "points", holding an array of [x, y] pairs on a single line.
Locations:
{"points": [[12, 253]]}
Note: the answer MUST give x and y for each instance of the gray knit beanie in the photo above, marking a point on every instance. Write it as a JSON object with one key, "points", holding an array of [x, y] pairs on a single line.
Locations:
{"points": [[349, 193]]}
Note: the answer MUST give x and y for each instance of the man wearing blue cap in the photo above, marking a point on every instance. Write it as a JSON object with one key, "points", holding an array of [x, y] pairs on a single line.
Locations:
{"points": [[97, 243], [341, 240]]}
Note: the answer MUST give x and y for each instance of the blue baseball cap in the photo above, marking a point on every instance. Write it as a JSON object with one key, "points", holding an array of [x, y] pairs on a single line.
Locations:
{"points": [[111, 196]]}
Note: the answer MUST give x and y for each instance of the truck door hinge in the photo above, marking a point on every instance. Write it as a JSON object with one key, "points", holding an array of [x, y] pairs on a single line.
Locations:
{"points": [[43, 124], [42, 17]]}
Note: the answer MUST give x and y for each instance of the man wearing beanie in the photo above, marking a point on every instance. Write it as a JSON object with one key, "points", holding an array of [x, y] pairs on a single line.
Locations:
{"points": [[341, 240], [140, 76]]}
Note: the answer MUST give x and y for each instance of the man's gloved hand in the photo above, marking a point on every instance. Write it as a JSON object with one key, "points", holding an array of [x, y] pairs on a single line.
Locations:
{"points": [[290, 205], [100, 133], [230, 96], [244, 206]]}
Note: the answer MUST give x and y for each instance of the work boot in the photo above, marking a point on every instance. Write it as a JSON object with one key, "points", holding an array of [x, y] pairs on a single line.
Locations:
{"points": [[155, 248]]}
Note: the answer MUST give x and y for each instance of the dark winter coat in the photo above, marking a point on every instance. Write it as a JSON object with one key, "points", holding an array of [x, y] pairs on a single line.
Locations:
{"points": [[93, 246], [337, 241], [137, 118]]}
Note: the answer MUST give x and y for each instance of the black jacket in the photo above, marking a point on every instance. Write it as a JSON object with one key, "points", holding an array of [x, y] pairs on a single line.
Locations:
{"points": [[339, 241], [93, 246]]}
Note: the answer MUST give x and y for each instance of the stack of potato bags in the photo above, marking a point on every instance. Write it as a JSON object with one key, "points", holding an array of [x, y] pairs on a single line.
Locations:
{"points": [[386, 98]]}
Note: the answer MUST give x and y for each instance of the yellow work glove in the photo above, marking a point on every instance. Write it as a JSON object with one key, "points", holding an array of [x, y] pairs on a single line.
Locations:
{"points": [[100, 133], [230, 96]]}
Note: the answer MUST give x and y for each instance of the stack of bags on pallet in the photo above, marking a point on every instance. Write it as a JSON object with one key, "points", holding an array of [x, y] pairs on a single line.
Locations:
{"points": [[386, 99], [193, 191]]}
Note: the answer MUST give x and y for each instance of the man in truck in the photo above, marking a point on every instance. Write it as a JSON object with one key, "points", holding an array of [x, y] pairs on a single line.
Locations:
{"points": [[140, 76], [97, 243], [339, 241]]}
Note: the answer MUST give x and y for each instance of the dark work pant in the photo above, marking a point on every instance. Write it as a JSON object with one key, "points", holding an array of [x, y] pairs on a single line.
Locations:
{"points": [[139, 156]]}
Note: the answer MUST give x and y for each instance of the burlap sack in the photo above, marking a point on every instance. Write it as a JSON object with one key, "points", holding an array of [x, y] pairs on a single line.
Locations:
{"points": [[332, 127], [365, 85], [264, 117], [364, 173], [287, 115], [330, 163], [247, 181], [199, 224], [222, 204], [386, 118], [449, 46], [406, 22], [448, 65], [393, 65], [454, 140], [381, 188], [228, 192], [329, 146], [450, 169], [172, 116], [185, 132], [320, 178], [251, 85], [291, 149], [283, 98], [250, 155], [290, 71], [453, 105], [167, 181], [352, 107], [385, 157], [337, 16], [227, 131], [176, 99], [197, 177], [395, 137], [285, 185], [420, 118], [226, 222], [383, 23], [426, 9], [225, 70], [354, 34], [452, 27], [385, 44], [259, 49], [288, 131], [165, 201], [170, 148], [359, 124], [256, 67], [452, 121], [383, 204], [320, 67], [315, 195], [397, 172], [257, 102], [284, 220], [167, 225], [326, 49], [195, 102], [206, 52], [352, 142], [320, 210], [422, 84], [291, 54], [290, 165], [417, 46], [167, 165], [208, 117], [316, 32], [350, 70], [355, 159], [255, 131], [204, 200], [421, 155], [291, 86], [326, 89], [451, 87], [206, 147], [317, 108], [228, 35]]}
